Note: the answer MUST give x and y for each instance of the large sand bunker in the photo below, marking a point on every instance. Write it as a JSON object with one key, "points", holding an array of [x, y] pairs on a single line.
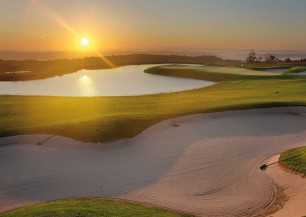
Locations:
{"points": [[207, 165]]}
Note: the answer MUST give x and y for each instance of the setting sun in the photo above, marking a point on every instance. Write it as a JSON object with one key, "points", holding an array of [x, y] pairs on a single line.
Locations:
{"points": [[85, 41]]}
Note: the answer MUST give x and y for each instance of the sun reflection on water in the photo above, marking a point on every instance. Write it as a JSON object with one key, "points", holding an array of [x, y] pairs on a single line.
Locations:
{"points": [[87, 86]]}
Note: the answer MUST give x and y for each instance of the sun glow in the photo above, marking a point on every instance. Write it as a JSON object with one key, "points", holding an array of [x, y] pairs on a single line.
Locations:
{"points": [[85, 41]]}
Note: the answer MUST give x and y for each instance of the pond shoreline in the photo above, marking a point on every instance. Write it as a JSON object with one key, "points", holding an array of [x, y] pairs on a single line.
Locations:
{"points": [[122, 81]]}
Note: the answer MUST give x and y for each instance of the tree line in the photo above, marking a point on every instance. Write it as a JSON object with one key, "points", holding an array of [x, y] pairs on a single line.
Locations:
{"points": [[253, 58]]}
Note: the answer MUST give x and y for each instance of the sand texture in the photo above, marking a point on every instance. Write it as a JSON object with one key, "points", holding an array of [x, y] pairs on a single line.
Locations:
{"points": [[208, 165], [294, 187]]}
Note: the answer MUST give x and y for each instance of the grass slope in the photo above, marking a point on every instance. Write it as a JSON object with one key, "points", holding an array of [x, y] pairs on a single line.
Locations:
{"points": [[217, 69], [91, 208], [288, 67], [296, 69], [297, 164], [102, 119], [210, 73]]}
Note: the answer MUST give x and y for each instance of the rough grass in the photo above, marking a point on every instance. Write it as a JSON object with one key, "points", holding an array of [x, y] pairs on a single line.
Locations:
{"points": [[91, 208], [297, 164], [102, 119]]}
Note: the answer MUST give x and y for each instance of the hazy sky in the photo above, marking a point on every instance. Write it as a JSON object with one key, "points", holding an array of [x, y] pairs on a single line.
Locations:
{"points": [[153, 24]]}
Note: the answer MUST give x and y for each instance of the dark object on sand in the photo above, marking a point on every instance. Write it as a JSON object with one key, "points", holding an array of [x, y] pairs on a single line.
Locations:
{"points": [[45, 140], [174, 124], [265, 166]]}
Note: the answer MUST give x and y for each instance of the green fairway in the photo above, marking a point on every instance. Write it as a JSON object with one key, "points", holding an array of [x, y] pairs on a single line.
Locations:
{"points": [[101, 119], [91, 208], [296, 69], [217, 69], [288, 67], [211, 73], [298, 163]]}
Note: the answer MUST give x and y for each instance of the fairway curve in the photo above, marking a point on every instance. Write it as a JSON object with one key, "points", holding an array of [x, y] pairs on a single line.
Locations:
{"points": [[207, 164]]}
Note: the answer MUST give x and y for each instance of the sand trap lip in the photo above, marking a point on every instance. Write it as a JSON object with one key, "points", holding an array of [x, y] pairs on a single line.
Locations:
{"points": [[208, 165], [294, 187]]}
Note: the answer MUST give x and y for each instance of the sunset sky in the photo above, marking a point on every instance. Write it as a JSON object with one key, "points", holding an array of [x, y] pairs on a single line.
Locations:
{"points": [[57, 25]]}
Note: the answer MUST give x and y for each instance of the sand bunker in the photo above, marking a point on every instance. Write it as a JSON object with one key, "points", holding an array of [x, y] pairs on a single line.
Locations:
{"points": [[208, 165]]}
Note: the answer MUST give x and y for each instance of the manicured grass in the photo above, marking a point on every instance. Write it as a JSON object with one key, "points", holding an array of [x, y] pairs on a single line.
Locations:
{"points": [[91, 208], [271, 66], [288, 67], [297, 164], [216, 74], [296, 69], [218, 69], [102, 119]]}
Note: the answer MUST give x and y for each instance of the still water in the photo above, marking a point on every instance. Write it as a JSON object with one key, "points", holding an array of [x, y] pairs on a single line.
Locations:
{"points": [[122, 81]]}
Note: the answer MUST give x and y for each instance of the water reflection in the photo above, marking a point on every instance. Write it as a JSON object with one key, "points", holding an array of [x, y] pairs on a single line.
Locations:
{"points": [[122, 81], [87, 86]]}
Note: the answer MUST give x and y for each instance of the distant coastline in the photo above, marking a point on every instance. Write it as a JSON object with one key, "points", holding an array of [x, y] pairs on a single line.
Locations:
{"points": [[230, 54]]}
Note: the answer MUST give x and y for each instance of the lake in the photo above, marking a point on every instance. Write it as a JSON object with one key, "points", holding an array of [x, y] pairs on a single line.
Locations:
{"points": [[122, 81]]}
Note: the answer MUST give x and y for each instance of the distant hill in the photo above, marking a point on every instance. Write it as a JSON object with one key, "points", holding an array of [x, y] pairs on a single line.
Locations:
{"points": [[157, 59], [23, 55]]}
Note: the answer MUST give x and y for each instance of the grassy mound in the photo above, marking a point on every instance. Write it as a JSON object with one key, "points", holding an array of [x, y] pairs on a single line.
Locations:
{"points": [[91, 208], [296, 69], [210, 73], [298, 163]]}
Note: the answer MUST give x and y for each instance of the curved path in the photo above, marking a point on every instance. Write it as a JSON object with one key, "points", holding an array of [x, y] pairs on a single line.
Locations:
{"points": [[208, 165]]}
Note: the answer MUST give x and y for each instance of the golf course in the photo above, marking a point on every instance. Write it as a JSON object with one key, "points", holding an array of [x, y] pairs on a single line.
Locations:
{"points": [[194, 152], [152, 108]]}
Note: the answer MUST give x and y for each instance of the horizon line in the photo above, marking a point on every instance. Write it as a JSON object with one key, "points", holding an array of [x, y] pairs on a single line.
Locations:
{"points": [[156, 50]]}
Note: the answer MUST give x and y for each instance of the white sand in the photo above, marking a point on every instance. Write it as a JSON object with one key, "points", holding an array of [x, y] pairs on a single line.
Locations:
{"points": [[209, 165]]}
